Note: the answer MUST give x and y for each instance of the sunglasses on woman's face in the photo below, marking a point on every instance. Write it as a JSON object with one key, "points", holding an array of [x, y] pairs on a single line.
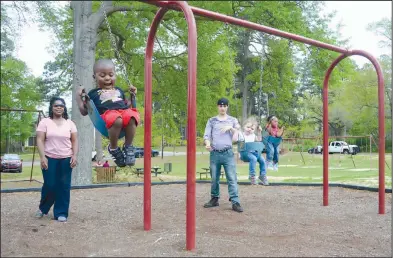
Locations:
{"points": [[60, 105]]}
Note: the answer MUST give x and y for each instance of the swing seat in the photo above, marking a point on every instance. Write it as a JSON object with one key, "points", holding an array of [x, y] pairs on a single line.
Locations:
{"points": [[98, 122], [273, 140], [246, 147]]}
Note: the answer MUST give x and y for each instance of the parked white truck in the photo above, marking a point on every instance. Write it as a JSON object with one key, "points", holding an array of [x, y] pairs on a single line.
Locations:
{"points": [[342, 147]]}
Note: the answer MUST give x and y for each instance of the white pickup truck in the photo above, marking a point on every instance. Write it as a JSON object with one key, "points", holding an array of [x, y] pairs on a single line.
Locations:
{"points": [[342, 147]]}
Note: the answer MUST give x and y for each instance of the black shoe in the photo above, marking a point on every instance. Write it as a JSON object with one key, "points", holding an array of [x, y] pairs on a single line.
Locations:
{"points": [[236, 207], [118, 156], [129, 155], [212, 203]]}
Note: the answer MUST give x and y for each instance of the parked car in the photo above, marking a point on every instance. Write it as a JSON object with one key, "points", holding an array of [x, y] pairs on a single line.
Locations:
{"points": [[139, 152], [11, 163], [342, 147], [315, 150]]}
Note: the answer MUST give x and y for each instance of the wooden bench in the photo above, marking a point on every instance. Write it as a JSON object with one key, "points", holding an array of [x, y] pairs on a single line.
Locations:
{"points": [[106, 174]]}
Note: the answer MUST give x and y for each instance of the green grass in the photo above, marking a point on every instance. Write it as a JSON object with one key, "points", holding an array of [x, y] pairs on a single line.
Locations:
{"points": [[292, 169], [26, 171], [180, 148]]}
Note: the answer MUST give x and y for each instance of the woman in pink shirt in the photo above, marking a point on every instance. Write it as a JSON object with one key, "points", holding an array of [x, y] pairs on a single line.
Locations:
{"points": [[58, 146]]}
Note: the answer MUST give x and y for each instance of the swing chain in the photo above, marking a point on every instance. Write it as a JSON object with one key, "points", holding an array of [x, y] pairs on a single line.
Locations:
{"points": [[226, 28], [112, 38]]}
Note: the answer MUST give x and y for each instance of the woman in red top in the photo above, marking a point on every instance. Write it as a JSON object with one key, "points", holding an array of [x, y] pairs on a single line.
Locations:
{"points": [[106, 164], [272, 145]]}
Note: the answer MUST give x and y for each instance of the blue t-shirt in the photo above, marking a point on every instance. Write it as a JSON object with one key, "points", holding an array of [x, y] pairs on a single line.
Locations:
{"points": [[108, 99]]}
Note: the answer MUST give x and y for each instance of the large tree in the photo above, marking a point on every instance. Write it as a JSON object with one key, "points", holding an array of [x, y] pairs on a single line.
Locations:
{"points": [[18, 86]]}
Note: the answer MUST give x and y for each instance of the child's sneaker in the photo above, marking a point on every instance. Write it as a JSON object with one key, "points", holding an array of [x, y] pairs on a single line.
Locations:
{"points": [[275, 167], [118, 156], [129, 155], [253, 180], [263, 180], [39, 214], [269, 165]]}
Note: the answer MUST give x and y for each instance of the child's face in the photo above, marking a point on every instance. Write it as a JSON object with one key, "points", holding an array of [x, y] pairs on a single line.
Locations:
{"points": [[275, 122], [105, 76], [249, 128]]}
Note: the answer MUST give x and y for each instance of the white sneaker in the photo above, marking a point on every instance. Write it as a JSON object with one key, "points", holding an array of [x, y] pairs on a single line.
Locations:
{"points": [[269, 165], [62, 219], [275, 167], [253, 180]]}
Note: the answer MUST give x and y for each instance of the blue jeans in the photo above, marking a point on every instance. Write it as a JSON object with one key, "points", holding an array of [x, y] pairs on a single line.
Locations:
{"points": [[272, 149], [227, 160], [57, 187], [255, 157]]}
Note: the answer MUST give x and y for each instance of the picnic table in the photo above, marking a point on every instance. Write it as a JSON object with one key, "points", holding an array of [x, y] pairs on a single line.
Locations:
{"points": [[207, 171], [155, 170], [138, 171]]}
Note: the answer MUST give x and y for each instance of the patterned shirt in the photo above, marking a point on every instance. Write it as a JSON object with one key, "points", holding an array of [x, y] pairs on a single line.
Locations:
{"points": [[213, 132], [108, 99]]}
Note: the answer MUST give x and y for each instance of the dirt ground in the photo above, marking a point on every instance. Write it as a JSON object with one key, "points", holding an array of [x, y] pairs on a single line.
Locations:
{"points": [[277, 221]]}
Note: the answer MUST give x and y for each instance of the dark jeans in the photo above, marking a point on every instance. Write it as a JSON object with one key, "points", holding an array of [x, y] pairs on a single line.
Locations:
{"points": [[57, 187]]}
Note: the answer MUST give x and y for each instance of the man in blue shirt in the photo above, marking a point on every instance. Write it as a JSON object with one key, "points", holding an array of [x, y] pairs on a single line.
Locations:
{"points": [[219, 134]]}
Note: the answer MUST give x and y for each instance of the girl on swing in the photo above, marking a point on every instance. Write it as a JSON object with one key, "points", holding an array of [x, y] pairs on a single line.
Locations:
{"points": [[249, 128], [114, 109], [273, 142]]}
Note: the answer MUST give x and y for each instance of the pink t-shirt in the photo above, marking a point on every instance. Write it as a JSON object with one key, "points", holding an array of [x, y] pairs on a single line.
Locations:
{"points": [[274, 131], [58, 138]]}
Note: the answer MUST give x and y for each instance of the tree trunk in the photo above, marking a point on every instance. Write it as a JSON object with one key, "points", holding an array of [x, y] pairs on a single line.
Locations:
{"points": [[250, 105], [84, 54]]}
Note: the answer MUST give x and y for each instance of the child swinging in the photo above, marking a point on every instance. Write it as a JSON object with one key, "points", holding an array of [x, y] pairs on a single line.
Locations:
{"points": [[254, 156], [114, 109], [273, 142]]}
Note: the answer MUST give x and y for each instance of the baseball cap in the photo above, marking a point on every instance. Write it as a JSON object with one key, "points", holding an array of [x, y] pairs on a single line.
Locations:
{"points": [[223, 101]]}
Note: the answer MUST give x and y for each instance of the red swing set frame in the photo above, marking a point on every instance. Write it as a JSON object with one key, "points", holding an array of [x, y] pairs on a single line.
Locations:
{"points": [[189, 13]]}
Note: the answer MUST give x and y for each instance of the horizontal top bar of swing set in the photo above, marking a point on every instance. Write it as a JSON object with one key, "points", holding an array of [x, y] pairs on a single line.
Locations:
{"points": [[330, 137], [251, 25], [20, 110]]}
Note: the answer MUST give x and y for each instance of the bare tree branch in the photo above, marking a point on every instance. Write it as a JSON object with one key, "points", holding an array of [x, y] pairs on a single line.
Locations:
{"points": [[175, 33], [108, 8]]}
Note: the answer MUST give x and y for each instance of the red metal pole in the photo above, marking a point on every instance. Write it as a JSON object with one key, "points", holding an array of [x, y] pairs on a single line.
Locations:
{"points": [[191, 123], [147, 121], [251, 25], [381, 126], [325, 141]]}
